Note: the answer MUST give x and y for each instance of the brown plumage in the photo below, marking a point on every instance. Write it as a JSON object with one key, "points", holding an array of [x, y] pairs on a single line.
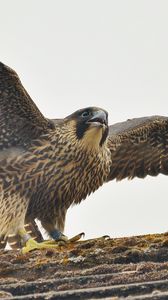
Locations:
{"points": [[139, 147], [48, 165]]}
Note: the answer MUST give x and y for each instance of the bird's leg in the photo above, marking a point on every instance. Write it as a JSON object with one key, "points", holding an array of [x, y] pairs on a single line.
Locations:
{"points": [[30, 244], [14, 240], [58, 237], [56, 234]]}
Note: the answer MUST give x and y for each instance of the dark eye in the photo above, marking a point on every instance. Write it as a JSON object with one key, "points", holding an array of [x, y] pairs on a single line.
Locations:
{"points": [[85, 114]]}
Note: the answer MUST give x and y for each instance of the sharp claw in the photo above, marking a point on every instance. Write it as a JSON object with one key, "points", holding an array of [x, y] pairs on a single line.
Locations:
{"points": [[76, 237]]}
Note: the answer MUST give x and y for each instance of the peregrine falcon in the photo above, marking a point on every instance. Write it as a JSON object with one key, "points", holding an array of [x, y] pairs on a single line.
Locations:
{"points": [[48, 165]]}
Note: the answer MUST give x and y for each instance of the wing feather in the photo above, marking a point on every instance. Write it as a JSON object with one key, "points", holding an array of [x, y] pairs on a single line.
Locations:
{"points": [[139, 147], [20, 119]]}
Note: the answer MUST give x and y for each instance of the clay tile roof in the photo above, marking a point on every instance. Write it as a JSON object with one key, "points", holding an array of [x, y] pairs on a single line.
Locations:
{"points": [[132, 267]]}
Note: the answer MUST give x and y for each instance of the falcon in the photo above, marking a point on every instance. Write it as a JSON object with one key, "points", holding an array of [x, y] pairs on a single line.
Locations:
{"points": [[48, 165]]}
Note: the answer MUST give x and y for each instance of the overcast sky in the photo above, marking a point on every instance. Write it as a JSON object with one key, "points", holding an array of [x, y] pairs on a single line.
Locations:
{"points": [[114, 54]]}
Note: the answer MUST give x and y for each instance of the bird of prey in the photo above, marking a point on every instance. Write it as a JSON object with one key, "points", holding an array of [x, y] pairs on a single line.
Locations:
{"points": [[48, 165]]}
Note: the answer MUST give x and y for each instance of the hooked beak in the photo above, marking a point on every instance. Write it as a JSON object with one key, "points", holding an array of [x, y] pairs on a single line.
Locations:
{"points": [[99, 118]]}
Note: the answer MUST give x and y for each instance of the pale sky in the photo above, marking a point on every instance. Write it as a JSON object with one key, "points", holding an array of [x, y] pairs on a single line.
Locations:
{"points": [[113, 54]]}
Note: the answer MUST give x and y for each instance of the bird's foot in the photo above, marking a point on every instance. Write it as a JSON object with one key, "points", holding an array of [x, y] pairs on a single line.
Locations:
{"points": [[58, 236], [31, 245], [61, 239]]}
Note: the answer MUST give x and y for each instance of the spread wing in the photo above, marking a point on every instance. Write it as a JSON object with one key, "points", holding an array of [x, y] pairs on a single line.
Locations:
{"points": [[20, 119], [139, 147]]}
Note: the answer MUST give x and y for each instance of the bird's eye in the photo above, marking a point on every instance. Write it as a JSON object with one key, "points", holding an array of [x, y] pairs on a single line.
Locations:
{"points": [[85, 114]]}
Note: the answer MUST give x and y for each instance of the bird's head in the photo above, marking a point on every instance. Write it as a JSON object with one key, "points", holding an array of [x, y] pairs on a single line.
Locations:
{"points": [[90, 126]]}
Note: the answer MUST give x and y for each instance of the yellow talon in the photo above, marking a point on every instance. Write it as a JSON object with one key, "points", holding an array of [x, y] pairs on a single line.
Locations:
{"points": [[31, 245]]}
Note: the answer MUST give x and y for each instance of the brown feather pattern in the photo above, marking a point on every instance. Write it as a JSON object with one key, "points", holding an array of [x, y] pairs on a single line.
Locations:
{"points": [[45, 168], [139, 148]]}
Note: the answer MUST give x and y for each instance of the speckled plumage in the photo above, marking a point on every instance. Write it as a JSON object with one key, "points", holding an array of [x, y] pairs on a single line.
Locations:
{"points": [[139, 147], [47, 165], [44, 167]]}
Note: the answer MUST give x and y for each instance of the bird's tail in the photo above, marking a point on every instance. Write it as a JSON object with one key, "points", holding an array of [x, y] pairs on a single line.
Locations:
{"points": [[32, 229]]}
